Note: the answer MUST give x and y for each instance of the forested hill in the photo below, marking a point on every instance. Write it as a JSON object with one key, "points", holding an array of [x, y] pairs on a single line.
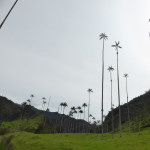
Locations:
{"points": [[27, 118], [139, 109], [139, 115]]}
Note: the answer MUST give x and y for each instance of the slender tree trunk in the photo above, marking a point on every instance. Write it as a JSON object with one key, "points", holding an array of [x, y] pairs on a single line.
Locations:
{"points": [[84, 113], [102, 87], [89, 107], [128, 107], [63, 110], [120, 128], [78, 115], [112, 107]]}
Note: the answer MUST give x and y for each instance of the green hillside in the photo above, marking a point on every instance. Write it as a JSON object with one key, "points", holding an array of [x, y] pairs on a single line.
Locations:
{"points": [[139, 114]]}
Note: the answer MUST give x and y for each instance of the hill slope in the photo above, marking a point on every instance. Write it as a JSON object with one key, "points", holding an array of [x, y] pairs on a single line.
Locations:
{"points": [[139, 113], [14, 117]]}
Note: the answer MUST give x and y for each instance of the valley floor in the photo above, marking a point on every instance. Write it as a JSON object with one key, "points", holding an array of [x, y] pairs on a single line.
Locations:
{"points": [[30, 141]]}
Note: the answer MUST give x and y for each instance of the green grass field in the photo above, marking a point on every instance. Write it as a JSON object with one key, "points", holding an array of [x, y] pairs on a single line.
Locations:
{"points": [[30, 141]]}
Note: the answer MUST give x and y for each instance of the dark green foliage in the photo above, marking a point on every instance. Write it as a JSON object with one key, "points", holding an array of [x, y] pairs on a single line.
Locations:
{"points": [[8, 110]]}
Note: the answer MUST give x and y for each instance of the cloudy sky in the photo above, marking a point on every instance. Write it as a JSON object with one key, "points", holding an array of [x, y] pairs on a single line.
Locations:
{"points": [[52, 48]]}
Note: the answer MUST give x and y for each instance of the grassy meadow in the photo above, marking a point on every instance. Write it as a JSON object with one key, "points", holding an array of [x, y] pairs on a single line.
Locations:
{"points": [[76, 141]]}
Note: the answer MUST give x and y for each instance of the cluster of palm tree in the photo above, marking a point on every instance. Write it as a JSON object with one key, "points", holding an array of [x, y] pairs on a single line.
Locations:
{"points": [[110, 69], [63, 106], [76, 113], [77, 110]]}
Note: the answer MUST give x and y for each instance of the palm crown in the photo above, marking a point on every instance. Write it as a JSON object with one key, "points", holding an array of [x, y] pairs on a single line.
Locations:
{"points": [[117, 45], [84, 105], [103, 36], [65, 104], [90, 90], [73, 108], [31, 95], [110, 68], [79, 107], [125, 75], [81, 111]]}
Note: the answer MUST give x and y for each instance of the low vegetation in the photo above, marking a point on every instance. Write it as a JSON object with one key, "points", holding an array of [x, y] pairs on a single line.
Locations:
{"points": [[77, 141]]}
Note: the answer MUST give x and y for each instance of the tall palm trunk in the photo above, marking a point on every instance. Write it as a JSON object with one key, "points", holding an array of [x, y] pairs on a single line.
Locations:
{"points": [[120, 128], [84, 113], [112, 107], [89, 107], [128, 107], [8, 14], [102, 87], [63, 110]]}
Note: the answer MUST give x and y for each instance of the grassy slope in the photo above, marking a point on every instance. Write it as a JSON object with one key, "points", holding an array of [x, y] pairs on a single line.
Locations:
{"points": [[30, 141], [20, 125]]}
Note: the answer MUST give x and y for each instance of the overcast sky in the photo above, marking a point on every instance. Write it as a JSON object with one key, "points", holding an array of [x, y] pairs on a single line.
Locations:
{"points": [[52, 48]]}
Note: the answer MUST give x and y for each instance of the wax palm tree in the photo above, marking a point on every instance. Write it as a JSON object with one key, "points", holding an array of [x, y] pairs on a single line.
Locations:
{"points": [[48, 110], [117, 47], [24, 104], [126, 76], [103, 37], [8, 14], [75, 112], [43, 105], [73, 108], [61, 105], [93, 118], [43, 102], [84, 105], [90, 116], [81, 112], [31, 97], [110, 69], [89, 91], [70, 114], [64, 105], [79, 108], [29, 101]]}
